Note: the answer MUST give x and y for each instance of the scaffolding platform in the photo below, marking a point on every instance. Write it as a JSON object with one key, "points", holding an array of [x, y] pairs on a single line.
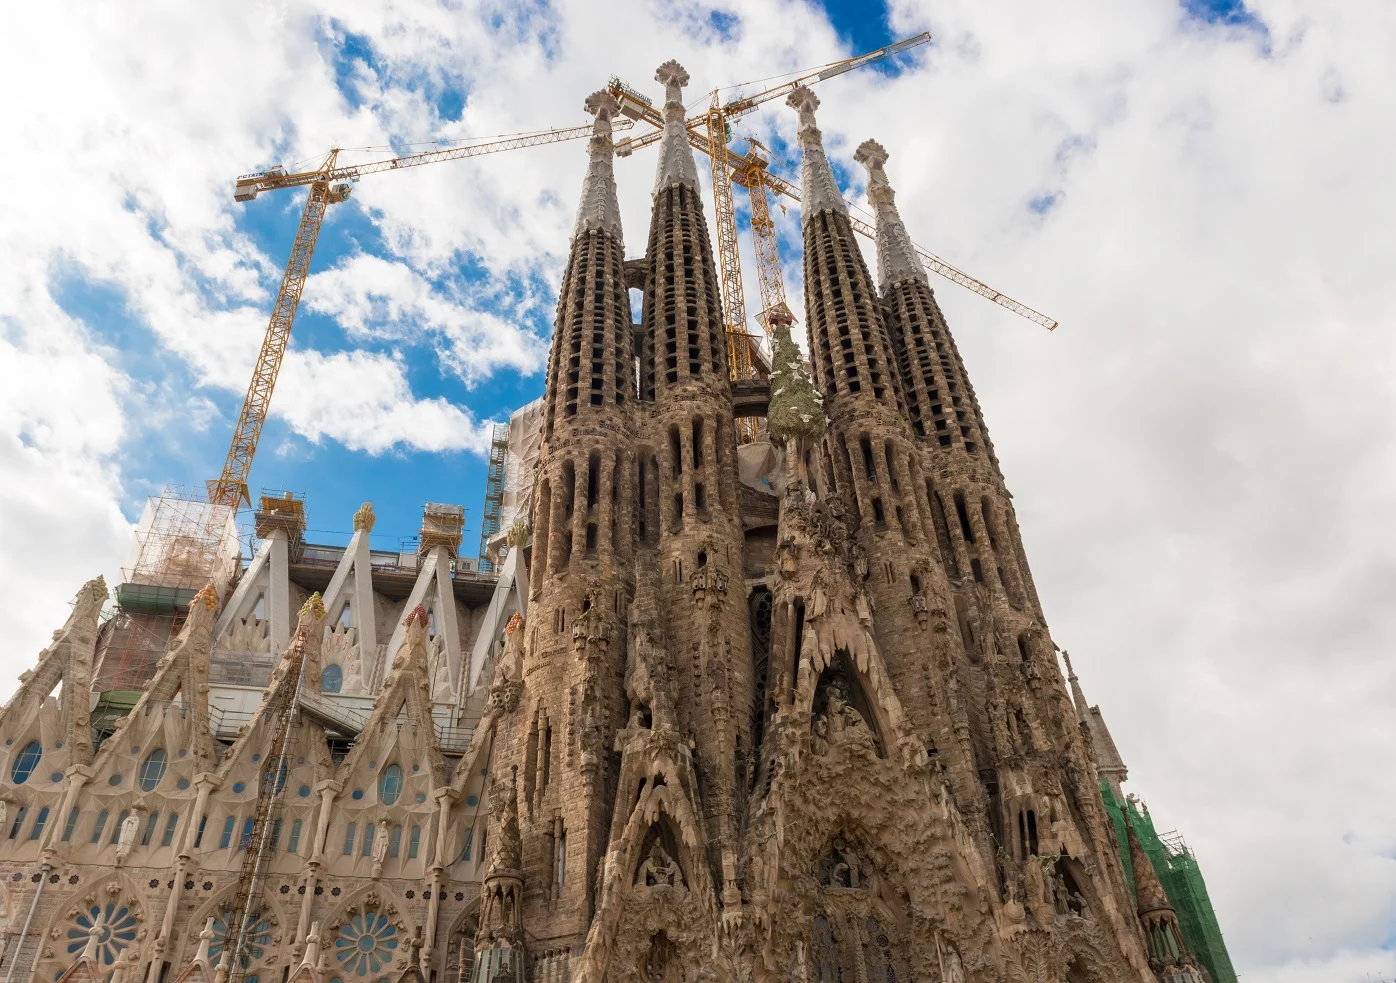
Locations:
{"points": [[494, 494], [442, 525], [183, 541]]}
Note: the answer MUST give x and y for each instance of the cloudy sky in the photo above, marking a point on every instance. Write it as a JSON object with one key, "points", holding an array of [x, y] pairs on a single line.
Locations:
{"points": [[1201, 454]]}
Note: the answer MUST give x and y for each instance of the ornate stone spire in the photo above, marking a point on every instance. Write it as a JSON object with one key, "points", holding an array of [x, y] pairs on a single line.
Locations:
{"points": [[896, 256], [676, 165], [818, 189], [1078, 697], [599, 208], [1108, 762], [1148, 891]]}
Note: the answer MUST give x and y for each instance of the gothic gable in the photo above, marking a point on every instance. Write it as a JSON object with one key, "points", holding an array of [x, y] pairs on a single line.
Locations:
{"points": [[59, 724]]}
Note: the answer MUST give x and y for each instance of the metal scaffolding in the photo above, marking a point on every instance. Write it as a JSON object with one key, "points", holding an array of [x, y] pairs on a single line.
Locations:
{"points": [[494, 496]]}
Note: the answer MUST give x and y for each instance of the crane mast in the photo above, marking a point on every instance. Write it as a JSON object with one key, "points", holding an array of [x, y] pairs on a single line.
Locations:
{"points": [[728, 260], [770, 277], [231, 487]]}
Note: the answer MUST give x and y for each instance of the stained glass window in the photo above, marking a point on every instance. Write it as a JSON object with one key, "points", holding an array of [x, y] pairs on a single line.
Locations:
{"points": [[27, 761], [153, 769]]}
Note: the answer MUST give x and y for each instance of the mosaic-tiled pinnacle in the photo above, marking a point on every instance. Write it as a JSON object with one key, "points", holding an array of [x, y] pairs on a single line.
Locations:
{"points": [[599, 208], [896, 256], [676, 164], [818, 189]]}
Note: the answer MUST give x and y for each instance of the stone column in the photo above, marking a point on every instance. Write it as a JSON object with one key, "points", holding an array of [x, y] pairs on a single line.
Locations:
{"points": [[579, 509]]}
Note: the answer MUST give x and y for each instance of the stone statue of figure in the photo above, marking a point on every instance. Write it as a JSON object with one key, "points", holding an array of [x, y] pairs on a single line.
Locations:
{"points": [[659, 868], [380, 844], [126, 839], [954, 969]]}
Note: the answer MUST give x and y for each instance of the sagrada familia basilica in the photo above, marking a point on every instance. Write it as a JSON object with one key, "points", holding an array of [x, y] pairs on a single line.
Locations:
{"points": [[807, 728]]}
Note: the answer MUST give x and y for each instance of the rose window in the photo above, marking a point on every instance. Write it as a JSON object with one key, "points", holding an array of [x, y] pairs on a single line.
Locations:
{"points": [[256, 938], [116, 929], [365, 943]]}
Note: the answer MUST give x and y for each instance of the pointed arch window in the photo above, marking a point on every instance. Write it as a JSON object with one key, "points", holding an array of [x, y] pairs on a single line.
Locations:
{"points": [[346, 616], [120, 821], [40, 821], [390, 785], [27, 761], [369, 830], [332, 679], [227, 838], [153, 769], [71, 824], [469, 838], [414, 842], [170, 827], [19, 821], [293, 845], [349, 832], [98, 826], [151, 825], [259, 607], [395, 844]]}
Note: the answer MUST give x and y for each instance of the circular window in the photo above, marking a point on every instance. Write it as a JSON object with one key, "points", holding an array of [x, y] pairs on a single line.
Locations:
{"points": [[390, 785], [153, 769], [365, 944], [239, 788], [27, 761], [303, 791], [114, 780]]}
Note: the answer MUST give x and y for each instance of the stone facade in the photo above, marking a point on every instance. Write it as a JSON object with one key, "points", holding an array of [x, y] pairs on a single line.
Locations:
{"points": [[123, 832], [807, 726]]}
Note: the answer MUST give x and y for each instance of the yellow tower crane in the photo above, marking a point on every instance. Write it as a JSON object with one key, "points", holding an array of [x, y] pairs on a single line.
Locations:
{"points": [[329, 182]]}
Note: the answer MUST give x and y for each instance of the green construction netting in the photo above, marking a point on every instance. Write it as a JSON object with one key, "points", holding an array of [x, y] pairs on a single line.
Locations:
{"points": [[1182, 881]]}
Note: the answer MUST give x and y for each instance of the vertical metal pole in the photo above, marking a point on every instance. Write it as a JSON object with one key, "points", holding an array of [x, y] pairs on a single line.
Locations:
{"points": [[24, 932]]}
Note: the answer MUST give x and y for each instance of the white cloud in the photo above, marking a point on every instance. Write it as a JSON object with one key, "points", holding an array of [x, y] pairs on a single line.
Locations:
{"points": [[376, 298], [375, 407], [1200, 455]]}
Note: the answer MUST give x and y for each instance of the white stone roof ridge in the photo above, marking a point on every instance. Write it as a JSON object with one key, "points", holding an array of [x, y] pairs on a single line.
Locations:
{"points": [[600, 208], [676, 164]]}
